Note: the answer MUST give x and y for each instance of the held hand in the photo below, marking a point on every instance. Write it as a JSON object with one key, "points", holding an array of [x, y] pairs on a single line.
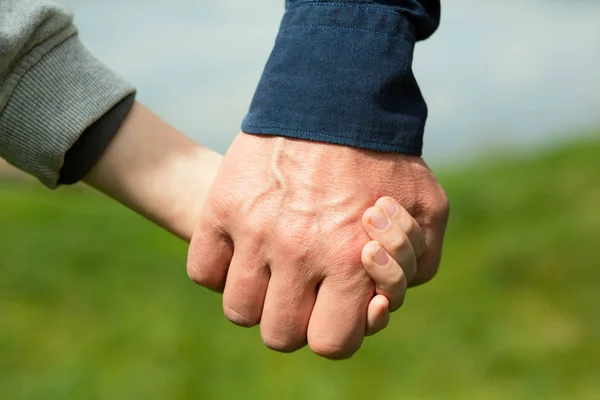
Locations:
{"points": [[390, 258], [280, 235]]}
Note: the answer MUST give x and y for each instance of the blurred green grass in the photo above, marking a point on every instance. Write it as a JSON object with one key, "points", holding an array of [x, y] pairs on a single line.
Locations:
{"points": [[95, 302]]}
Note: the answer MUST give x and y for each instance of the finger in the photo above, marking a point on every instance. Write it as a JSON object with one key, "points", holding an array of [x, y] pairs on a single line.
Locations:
{"points": [[288, 304], [403, 220], [390, 279], [429, 262], [245, 289], [390, 232], [433, 226], [209, 255], [378, 315], [338, 321]]}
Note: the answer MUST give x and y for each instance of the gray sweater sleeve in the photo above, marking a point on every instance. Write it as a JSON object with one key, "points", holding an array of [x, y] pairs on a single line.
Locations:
{"points": [[51, 88]]}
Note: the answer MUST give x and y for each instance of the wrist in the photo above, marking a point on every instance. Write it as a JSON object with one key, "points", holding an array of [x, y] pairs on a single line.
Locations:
{"points": [[156, 171]]}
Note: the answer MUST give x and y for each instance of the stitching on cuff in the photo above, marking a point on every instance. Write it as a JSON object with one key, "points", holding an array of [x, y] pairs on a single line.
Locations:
{"points": [[390, 147], [371, 7], [346, 28]]}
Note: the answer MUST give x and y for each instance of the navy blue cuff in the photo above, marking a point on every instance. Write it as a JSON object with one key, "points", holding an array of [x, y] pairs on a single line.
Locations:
{"points": [[342, 73]]}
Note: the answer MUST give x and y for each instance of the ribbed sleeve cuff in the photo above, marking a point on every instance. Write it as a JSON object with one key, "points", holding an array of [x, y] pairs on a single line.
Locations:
{"points": [[342, 73], [52, 105]]}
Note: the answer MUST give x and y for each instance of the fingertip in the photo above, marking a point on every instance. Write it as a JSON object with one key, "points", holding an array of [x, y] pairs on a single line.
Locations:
{"points": [[368, 253], [338, 320], [378, 315], [381, 302], [209, 255]]}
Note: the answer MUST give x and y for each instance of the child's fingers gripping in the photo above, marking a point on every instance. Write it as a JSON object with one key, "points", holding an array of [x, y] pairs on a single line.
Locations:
{"points": [[397, 231], [378, 315], [390, 280], [403, 220]]}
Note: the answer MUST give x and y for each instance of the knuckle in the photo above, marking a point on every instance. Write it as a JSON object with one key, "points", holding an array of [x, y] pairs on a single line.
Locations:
{"points": [[442, 209], [201, 277], [399, 243], [252, 227], [196, 275], [295, 243], [412, 227], [222, 200], [434, 208], [282, 344], [333, 351], [240, 319], [397, 279], [250, 231], [349, 277], [255, 223]]}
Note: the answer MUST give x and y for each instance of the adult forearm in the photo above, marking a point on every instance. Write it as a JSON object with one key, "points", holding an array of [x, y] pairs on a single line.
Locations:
{"points": [[158, 172]]}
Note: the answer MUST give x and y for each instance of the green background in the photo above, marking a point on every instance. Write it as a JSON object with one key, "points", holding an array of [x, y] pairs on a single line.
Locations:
{"points": [[95, 302]]}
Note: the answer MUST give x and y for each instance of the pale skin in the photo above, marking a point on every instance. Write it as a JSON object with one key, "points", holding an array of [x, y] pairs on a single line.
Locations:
{"points": [[163, 175]]}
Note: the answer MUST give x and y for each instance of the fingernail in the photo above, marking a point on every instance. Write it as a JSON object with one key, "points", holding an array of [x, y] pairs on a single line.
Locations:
{"points": [[389, 207], [381, 257], [379, 221]]}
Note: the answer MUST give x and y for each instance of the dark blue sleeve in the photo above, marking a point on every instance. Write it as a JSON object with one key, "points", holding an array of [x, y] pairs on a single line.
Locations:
{"points": [[341, 72]]}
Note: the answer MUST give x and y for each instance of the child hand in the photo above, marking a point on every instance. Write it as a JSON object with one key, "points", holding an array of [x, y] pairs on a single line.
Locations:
{"points": [[390, 258]]}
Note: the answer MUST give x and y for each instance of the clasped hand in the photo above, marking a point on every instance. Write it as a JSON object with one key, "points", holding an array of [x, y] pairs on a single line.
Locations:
{"points": [[280, 235]]}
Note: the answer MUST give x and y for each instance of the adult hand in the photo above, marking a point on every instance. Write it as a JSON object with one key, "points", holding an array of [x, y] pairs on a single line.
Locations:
{"points": [[280, 234]]}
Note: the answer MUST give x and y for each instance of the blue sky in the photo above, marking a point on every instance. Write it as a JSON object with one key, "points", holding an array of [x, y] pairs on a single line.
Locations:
{"points": [[497, 75]]}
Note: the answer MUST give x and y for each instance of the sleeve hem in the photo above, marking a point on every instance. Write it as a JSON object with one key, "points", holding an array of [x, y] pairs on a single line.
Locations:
{"points": [[335, 139], [360, 17], [85, 153], [53, 103]]}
